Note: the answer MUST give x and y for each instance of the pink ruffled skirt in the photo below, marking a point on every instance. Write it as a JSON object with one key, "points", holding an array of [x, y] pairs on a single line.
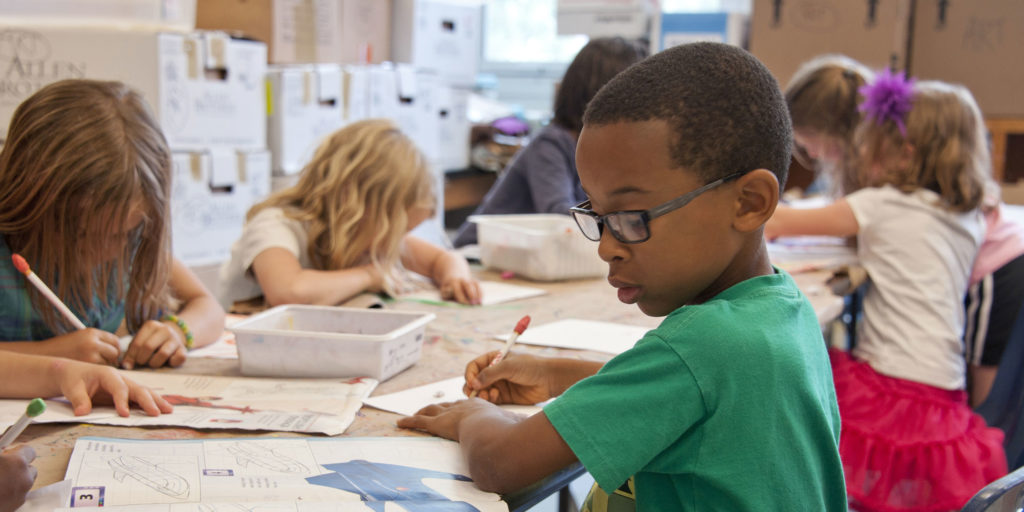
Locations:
{"points": [[907, 446]]}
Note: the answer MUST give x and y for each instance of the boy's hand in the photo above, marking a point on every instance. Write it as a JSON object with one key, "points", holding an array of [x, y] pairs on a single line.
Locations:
{"points": [[517, 379], [464, 290], [443, 420], [156, 344], [80, 383], [17, 475], [90, 345]]}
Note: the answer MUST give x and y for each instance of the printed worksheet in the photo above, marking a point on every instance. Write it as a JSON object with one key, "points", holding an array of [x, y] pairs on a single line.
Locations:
{"points": [[606, 337], [810, 253], [408, 401], [322, 406], [295, 474]]}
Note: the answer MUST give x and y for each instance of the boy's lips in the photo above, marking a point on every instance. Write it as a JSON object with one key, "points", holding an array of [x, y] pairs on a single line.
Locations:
{"points": [[628, 293]]}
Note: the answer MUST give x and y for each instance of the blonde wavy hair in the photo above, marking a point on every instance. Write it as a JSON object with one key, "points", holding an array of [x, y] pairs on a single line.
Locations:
{"points": [[946, 143], [355, 194], [822, 98], [81, 157]]}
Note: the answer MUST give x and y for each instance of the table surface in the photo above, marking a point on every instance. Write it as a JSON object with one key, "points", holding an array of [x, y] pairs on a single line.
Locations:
{"points": [[457, 335]]}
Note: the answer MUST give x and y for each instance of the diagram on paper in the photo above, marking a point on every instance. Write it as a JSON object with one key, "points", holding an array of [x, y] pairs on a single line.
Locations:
{"points": [[267, 474]]}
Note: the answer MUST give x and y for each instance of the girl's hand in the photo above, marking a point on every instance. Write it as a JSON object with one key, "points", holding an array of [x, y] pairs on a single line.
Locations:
{"points": [[17, 475], [464, 290], [90, 345], [80, 383], [156, 344], [517, 379]]}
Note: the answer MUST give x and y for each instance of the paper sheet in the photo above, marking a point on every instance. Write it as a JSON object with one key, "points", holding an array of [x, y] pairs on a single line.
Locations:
{"points": [[223, 348], [409, 401], [47, 498], [298, 474], [583, 335], [810, 253], [493, 292], [325, 406]]}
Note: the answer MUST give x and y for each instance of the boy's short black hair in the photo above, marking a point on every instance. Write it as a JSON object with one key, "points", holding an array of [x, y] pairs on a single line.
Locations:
{"points": [[725, 109]]}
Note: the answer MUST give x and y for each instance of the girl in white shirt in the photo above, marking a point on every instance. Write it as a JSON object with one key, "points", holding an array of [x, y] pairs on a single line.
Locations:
{"points": [[343, 228], [909, 439]]}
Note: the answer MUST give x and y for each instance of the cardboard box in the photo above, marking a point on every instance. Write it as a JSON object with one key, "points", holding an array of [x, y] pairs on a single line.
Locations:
{"points": [[295, 31], [364, 31], [307, 31], [677, 28], [452, 109], [440, 36], [213, 190], [149, 14], [783, 35], [206, 89], [357, 93], [977, 43], [605, 18], [305, 105]]}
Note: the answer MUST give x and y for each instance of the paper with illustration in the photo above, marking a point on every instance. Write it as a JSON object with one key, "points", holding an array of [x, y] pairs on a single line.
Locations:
{"points": [[323, 406], [236, 474], [409, 401]]}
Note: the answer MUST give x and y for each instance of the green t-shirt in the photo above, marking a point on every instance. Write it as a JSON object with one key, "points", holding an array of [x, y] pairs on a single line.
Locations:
{"points": [[727, 405]]}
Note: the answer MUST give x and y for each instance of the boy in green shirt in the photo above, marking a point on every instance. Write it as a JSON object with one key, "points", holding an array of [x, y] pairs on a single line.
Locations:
{"points": [[729, 403]]}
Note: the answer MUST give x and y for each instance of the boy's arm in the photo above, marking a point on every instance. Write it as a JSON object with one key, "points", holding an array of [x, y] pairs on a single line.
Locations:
{"points": [[836, 219], [449, 270], [505, 452]]}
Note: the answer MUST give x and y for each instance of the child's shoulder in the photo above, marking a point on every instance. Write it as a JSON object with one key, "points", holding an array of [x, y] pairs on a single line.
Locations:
{"points": [[750, 305]]}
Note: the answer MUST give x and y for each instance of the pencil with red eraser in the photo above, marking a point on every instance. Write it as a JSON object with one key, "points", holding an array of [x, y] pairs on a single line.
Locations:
{"points": [[524, 322], [22, 266]]}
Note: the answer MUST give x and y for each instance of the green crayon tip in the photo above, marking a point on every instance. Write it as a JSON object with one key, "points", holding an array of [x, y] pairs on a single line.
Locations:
{"points": [[35, 407]]}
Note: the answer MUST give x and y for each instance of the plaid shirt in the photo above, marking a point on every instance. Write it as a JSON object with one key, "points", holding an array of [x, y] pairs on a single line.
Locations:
{"points": [[19, 321]]}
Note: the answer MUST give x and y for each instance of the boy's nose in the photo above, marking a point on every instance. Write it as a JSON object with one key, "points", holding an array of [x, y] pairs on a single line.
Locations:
{"points": [[609, 248]]}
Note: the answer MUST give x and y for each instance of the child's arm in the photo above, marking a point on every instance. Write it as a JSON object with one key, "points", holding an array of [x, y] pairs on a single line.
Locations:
{"points": [[163, 342], [523, 378], [27, 376], [505, 451], [90, 345], [284, 281], [836, 219], [449, 270], [17, 475]]}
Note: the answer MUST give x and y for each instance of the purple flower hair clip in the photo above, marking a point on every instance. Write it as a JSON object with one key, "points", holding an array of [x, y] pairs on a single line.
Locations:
{"points": [[888, 98]]}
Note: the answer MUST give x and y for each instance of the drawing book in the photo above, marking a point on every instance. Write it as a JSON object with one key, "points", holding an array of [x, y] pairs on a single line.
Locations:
{"points": [[298, 474]]}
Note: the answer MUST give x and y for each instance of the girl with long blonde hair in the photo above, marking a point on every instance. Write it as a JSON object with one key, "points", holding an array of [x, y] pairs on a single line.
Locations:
{"points": [[910, 441], [85, 177], [343, 229]]}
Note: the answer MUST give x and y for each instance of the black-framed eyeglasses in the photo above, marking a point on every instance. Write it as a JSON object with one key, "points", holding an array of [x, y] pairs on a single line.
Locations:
{"points": [[632, 226]]}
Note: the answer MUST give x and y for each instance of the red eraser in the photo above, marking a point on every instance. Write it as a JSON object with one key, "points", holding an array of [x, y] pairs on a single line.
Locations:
{"points": [[508, 274], [20, 264], [523, 323]]}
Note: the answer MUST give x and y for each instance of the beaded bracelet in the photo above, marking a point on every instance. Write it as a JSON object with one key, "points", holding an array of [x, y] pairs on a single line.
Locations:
{"points": [[189, 339]]}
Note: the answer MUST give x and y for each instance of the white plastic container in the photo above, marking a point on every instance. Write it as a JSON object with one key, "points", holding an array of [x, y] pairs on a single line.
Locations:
{"points": [[324, 341], [542, 247]]}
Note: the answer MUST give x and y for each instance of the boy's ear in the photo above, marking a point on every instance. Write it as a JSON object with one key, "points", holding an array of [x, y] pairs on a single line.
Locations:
{"points": [[757, 195]]}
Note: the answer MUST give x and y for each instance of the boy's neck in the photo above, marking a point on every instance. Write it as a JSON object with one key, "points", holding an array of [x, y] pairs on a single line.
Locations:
{"points": [[750, 261]]}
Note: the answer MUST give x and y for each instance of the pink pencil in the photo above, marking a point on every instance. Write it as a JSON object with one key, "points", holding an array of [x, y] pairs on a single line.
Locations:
{"points": [[521, 326], [22, 266]]}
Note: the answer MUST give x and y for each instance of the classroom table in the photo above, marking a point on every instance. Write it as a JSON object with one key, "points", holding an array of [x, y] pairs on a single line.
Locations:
{"points": [[458, 334]]}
